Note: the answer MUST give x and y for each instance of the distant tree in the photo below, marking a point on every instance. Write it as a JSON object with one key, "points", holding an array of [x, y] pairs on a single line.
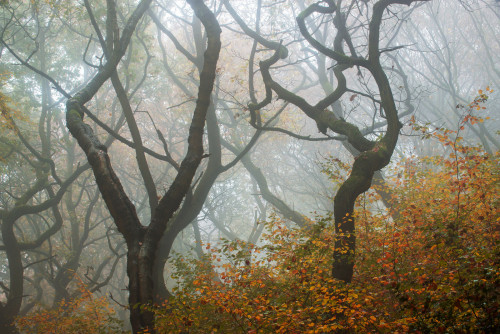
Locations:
{"points": [[458, 56], [33, 183]]}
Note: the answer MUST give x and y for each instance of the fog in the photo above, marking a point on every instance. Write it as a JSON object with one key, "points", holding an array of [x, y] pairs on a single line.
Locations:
{"points": [[139, 137]]}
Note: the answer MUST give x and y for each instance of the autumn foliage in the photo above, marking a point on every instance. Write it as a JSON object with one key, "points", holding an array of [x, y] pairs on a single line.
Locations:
{"points": [[427, 261], [427, 264], [86, 313]]}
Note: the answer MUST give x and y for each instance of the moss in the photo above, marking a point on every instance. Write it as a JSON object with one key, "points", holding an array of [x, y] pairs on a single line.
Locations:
{"points": [[283, 52], [74, 113]]}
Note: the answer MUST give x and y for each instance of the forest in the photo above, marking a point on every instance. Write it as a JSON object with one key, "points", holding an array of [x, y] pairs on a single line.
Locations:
{"points": [[249, 166]]}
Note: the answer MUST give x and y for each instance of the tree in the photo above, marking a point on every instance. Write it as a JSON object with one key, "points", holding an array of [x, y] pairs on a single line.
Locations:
{"points": [[460, 63], [142, 242], [33, 184], [413, 274], [341, 69], [374, 154]]}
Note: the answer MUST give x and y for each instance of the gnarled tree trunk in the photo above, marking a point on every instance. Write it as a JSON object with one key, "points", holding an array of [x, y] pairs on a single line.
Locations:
{"points": [[142, 241]]}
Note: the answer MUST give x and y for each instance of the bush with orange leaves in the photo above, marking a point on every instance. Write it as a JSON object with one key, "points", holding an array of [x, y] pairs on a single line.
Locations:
{"points": [[83, 314], [430, 264], [427, 264]]}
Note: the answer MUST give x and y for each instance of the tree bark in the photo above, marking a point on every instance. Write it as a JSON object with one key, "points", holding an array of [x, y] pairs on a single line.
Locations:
{"points": [[143, 242], [15, 292], [374, 154]]}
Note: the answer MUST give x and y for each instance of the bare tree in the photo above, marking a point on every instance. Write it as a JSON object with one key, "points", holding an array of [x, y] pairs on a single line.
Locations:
{"points": [[374, 154], [142, 241]]}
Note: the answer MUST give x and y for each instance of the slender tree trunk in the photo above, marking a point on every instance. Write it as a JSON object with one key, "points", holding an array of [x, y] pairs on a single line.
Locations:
{"points": [[161, 292], [10, 309], [345, 241]]}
